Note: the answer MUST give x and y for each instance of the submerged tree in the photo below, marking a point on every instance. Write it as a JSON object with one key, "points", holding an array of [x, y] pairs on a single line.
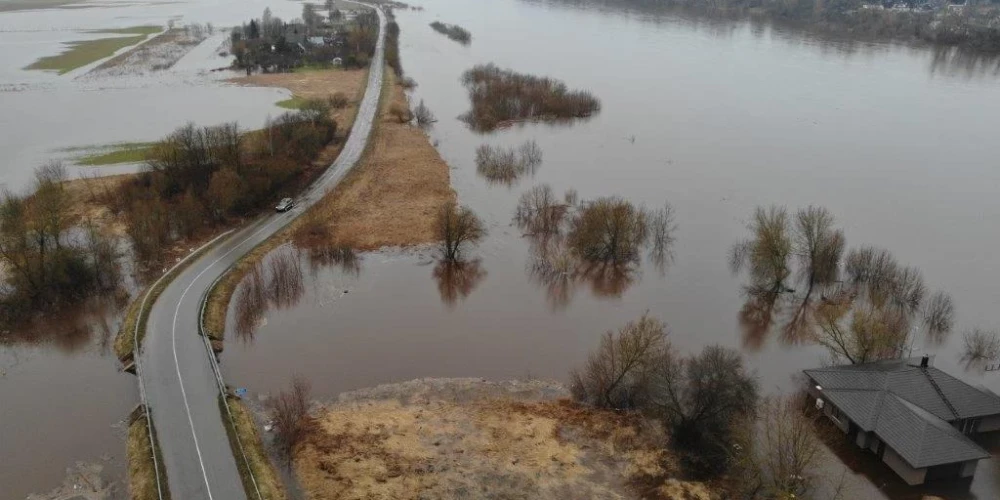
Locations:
{"points": [[818, 247], [981, 345], [876, 317], [609, 229], [765, 255], [457, 228]]}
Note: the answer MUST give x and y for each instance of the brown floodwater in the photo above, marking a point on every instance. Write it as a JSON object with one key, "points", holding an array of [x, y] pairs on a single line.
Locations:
{"points": [[63, 400], [715, 118]]}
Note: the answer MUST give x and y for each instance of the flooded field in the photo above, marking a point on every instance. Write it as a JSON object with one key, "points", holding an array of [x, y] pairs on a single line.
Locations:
{"points": [[46, 115], [714, 118]]}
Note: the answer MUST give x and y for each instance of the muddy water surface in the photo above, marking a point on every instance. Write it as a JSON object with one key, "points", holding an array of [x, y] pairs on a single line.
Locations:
{"points": [[714, 117]]}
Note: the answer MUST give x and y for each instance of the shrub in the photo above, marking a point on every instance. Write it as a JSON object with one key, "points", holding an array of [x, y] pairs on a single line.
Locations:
{"points": [[619, 374], [981, 345], [423, 114], [609, 229], [453, 31], [339, 100], [457, 228], [501, 95], [699, 398], [289, 410]]}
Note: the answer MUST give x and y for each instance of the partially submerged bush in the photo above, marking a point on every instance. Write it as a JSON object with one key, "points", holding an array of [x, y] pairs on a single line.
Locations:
{"points": [[457, 228], [981, 345], [453, 31], [501, 96], [609, 229], [505, 165], [423, 114]]}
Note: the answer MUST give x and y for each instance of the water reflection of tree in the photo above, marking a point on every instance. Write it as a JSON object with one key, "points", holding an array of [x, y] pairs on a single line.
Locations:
{"points": [[457, 279], [595, 244], [91, 322], [276, 282]]}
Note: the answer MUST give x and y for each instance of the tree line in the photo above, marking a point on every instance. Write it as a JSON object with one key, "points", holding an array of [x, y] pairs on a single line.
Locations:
{"points": [[269, 44], [198, 177]]}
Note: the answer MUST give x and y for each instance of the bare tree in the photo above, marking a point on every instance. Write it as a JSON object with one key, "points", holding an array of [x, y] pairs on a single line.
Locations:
{"points": [[818, 246], [662, 227], [619, 374], [423, 114], [609, 229], [289, 410], [766, 253], [539, 212], [939, 316], [777, 454], [457, 228], [699, 398], [981, 345]]}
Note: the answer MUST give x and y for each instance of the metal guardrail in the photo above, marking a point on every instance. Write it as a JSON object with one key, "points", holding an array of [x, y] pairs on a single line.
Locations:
{"points": [[221, 384], [204, 303], [137, 358]]}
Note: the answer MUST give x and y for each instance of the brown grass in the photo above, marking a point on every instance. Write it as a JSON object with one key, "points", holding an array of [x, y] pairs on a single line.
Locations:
{"points": [[141, 469], [394, 194], [390, 198], [318, 85], [89, 199], [485, 448], [264, 474]]}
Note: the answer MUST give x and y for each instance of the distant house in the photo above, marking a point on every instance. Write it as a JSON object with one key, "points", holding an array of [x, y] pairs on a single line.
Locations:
{"points": [[914, 417], [317, 40]]}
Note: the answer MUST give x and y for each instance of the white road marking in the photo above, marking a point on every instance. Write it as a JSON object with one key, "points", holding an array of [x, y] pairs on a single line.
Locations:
{"points": [[173, 341]]}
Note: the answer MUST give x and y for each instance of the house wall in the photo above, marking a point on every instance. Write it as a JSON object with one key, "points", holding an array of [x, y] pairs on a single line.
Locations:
{"points": [[908, 474], [989, 424], [969, 468], [863, 439], [842, 423]]}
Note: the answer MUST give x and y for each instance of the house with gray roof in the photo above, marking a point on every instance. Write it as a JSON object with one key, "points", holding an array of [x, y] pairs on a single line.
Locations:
{"points": [[914, 417]]}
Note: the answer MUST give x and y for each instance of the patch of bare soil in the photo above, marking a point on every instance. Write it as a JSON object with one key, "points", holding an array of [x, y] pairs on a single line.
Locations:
{"points": [[393, 195], [158, 54], [472, 439]]}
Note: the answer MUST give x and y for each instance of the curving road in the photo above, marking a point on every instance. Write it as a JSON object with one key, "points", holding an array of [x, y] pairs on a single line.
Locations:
{"points": [[181, 386]]}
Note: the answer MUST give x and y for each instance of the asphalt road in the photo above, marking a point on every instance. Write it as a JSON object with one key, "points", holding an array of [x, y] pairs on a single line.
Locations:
{"points": [[180, 383]]}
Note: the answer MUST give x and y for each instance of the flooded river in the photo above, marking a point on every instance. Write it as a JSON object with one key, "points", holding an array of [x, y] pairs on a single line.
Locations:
{"points": [[715, 117]]}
